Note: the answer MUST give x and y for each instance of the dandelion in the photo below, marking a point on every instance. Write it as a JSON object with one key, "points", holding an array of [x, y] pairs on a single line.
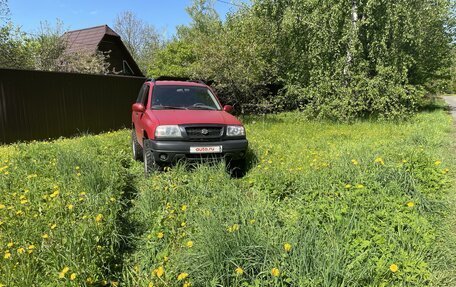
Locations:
{"points": [[410, 204], [347, 186], [233, 228], [99, 218], [239, 271], [182, 276], [275, 272], [187, 284], [54, 194], [2, 206], [78, 174], [183, 224], [359, 186], [184, 207], [30, 248], [112, 199], [438, 162], [379, 160], [10, 244], [19, 212], [45, 236], [160, 235], [150, 284], [393, 268], [63, 272], [159, 271], [53, 226], [70, 206], [24, 201], [7, 255], [287, 247], [20, 250], [189, 244], [252, 221], [73, 276], [354, 161], [77, 168]]}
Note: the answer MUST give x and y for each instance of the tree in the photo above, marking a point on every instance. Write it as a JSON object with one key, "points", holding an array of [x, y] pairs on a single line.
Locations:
{"points": [[141, 39]]}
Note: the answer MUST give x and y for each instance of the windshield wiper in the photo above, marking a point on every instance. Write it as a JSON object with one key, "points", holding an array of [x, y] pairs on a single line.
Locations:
{"points": [[201, 107], [160, 107]]}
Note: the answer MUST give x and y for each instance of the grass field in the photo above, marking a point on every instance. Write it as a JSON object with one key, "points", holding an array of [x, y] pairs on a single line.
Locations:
{"points": [[322, 204]]}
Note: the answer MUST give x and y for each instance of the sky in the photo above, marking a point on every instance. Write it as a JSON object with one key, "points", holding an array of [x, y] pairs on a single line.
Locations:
{"points": [[165, 15]]}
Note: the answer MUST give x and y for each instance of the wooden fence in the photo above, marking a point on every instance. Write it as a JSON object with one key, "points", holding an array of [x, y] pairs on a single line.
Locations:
{"points": [[38, 105]]}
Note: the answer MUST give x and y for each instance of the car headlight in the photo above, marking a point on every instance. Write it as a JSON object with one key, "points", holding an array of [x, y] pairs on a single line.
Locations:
{"points": [[168, 132], [235, 131]]}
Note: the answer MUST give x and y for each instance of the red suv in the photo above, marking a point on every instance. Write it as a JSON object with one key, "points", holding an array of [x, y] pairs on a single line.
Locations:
{"points": [[174, 120]]}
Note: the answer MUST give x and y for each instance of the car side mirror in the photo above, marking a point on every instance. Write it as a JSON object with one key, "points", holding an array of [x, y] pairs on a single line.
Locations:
{"points": [[228, 108], [139, 108]]}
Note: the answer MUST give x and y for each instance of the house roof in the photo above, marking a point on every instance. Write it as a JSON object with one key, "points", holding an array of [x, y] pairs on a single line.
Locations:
{"points": [[87, 39]]}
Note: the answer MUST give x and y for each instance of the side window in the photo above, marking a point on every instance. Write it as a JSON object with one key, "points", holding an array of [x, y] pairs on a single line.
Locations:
{"points": [[145, 96], [140, 95]]}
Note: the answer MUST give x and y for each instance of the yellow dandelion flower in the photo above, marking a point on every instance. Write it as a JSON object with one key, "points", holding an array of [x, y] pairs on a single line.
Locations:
{"points": [[7, 255], [182, 276], [30, 249], [359, 186], [184, 207], [20, 250], [347, 186], [10, 244], [275, 272], [160, 235], [64, 272], [54, 194], [165, 258], [150, 284], [187, 284], [24, 201], [252, 221], [99, 217], [45, 236], [189, 244], [77, 168], [70, 206], [183, 224], [354, 161], [19, 212], [114, 283], [2, 206], [73, 276], [438, 162], [239, 271], [393, 268], [159, 271], [287, 247], [379, 160], [78, 174], [410, 204], [53, 226]]}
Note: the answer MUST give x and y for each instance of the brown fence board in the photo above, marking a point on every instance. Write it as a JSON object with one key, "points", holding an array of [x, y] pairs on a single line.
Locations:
{"points": [[38, 105]]}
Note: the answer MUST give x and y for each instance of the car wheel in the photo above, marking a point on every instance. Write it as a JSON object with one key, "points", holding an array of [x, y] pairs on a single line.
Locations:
{"points": [[136, 147], [236, 168], [149, 162]]}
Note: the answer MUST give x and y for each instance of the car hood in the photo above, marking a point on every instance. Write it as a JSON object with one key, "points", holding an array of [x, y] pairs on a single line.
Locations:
{"points": [[182, 117]]}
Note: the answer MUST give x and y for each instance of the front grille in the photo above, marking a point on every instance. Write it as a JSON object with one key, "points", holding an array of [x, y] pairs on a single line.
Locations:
{"points": [[204, 133]]}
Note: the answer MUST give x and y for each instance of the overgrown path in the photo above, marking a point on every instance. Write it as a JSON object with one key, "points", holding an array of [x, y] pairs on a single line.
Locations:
{"points": [[451, 101]]}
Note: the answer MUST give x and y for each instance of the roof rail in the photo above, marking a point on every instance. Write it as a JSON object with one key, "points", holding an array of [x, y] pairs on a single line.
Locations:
{"points": [[184, 79], [150, 80]]}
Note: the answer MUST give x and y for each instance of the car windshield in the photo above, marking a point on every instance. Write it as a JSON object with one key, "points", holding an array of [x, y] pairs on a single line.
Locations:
{"points": [[183, 97]]}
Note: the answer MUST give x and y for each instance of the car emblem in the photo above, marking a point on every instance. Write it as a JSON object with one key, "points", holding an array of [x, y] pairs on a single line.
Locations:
{"points": [[204, 131]]}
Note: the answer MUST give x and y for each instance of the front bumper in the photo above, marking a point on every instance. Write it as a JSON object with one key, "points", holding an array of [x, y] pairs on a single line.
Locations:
{"points": [[173, 151]]}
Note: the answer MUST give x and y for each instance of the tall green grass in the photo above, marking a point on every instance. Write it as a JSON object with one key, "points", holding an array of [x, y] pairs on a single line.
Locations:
{"points": [[322, 204]]}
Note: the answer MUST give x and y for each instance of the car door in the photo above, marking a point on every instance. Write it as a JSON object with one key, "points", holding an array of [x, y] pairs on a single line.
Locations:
{"points": [[137, 116]]}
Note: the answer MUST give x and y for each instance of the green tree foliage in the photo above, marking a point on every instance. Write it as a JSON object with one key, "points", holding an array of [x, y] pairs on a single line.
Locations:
{"points": [[338, 59], [141, 39]]}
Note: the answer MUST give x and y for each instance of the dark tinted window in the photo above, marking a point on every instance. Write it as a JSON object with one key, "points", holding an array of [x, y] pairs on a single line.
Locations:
{"points": [[183, 97], [142, 96]]}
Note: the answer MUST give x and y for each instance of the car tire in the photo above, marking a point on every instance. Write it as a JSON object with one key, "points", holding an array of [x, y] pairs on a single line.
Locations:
{"points": [[150, 165], [136, 147], [236, 168]]}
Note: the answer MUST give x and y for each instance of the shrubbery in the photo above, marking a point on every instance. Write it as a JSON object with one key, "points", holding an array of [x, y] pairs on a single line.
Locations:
{"points": [[339, 59]]}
